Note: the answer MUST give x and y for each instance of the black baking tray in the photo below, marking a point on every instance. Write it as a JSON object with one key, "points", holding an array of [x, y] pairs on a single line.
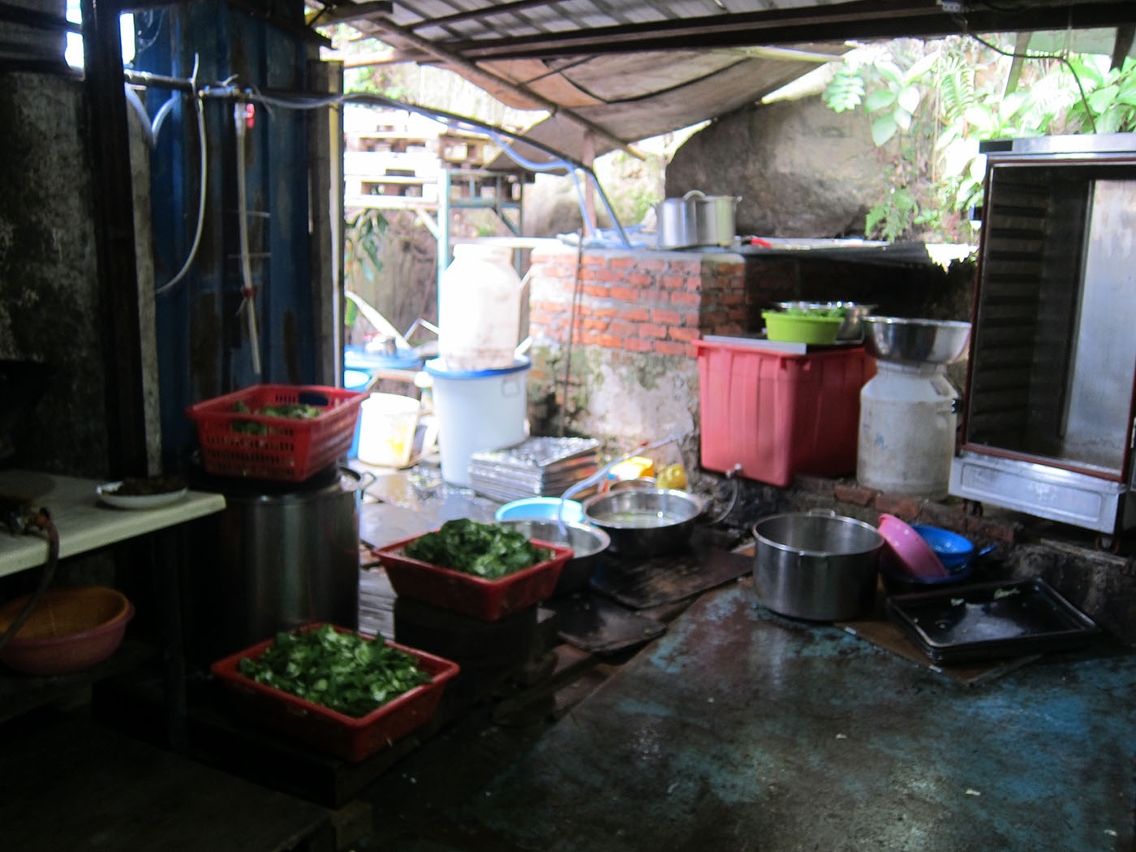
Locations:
{"points": [[990, 620]]}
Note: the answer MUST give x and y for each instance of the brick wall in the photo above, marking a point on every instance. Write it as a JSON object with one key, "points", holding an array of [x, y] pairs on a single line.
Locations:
{"points": [[636, 300]]}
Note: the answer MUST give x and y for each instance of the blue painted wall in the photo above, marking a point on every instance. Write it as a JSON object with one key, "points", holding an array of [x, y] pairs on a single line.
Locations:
{"points": [[203, 344]]}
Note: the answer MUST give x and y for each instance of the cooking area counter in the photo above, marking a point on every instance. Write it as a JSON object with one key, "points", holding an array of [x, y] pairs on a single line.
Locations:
{"points": [[740, 729]]}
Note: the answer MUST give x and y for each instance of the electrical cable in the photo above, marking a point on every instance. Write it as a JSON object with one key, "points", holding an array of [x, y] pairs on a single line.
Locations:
{"points": [[199, 110], [576, 295], [248, 302], [41, 520], [1054, 56]]}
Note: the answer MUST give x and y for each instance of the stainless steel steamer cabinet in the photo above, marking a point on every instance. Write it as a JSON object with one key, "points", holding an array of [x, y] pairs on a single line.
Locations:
{"points": [[1047, 423]]}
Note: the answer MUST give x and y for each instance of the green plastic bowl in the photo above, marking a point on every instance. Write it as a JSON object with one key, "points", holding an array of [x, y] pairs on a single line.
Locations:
{"points": [[792, 328]]}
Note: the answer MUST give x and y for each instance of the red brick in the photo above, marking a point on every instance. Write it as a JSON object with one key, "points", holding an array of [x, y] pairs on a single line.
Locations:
{"points": [[731, 298], [637, 344], [685, 267], [664, 347], [625, 294], [691, 299], [588, 274], [992, 530], [673, 282], [593, 324], [640, 279], [610, 275], [649, 264], [624, 329], [666, 317], [624, 262], [589, 338], [651, 330], [677, 333], [900, 505], [601, 311], [691, 352], [610, 341], [815, 484], [596, 291], [539, 318], [635, 314], [594, 260], [854, 494]]}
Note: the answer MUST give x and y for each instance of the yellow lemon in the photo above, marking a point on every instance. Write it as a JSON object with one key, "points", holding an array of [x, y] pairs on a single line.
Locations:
{"points": [[672, 476]]}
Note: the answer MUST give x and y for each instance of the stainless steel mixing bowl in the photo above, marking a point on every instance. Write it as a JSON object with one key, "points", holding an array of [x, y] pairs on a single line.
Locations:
{"points": [[922, 341], [587, 543], [645, 522]]}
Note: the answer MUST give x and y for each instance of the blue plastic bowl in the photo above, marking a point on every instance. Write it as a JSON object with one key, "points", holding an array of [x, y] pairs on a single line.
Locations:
{"points": [[542, 509], [954, 551]]}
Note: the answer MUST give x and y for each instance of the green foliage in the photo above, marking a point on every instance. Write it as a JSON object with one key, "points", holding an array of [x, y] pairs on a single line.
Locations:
{"points": [[363, 245], [930, 104]]}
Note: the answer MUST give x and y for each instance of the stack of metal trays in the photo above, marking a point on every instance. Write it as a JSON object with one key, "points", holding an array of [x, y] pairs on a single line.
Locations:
{"points": [[538, 467]]}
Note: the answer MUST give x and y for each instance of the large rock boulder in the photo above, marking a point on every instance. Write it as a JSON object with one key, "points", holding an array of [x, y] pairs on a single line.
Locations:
{"points": [[801, 169]]}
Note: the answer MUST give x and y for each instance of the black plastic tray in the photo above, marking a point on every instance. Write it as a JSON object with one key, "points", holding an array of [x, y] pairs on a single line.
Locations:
{"points": [[990, 620]]}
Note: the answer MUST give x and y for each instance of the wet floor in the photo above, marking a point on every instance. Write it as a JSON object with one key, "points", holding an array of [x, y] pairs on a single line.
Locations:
{"points": [[740, 730]]}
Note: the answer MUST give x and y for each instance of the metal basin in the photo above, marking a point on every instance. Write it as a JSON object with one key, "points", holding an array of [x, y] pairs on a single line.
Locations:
{"points": [[854, 313], [915, 340], [645, 522], [816, 566], [587, 543]]}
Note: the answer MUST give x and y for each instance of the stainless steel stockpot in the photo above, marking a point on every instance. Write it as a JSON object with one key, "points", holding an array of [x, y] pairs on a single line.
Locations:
{"points": [[817, 566], [696, 219]]}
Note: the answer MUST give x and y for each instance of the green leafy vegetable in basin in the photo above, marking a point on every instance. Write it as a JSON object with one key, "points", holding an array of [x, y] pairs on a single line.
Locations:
{"points": [[825, 312], [343, 671], [489, 551]]}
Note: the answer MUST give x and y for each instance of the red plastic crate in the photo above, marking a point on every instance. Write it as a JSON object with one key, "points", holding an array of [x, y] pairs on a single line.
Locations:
{"points": [[342, 736], [489, 600], [778, 414], [289, 450]]}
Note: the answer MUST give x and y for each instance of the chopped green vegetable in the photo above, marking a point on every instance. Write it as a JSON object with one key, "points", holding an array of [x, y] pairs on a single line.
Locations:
{"points": [[831, 313], [342, 671], [489, 551], [286, 411]]}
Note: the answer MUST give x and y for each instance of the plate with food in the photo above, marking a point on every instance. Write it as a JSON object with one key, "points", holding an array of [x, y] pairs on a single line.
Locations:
{"points": [[149, 492]]}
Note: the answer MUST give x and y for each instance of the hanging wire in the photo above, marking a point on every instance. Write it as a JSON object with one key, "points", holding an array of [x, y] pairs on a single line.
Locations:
{"points": [[203, 172], [962, 22]]}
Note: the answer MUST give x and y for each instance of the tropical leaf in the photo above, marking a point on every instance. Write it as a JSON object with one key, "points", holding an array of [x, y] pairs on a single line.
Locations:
{"points": [[883, 129], [880, 99]]}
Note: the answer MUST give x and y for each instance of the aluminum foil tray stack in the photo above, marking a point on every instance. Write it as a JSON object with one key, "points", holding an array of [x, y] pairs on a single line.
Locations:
{"points": [[537, 467]]}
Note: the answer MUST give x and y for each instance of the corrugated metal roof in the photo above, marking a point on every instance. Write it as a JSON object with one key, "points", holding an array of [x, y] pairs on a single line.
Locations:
{"points": [[625, 70]]}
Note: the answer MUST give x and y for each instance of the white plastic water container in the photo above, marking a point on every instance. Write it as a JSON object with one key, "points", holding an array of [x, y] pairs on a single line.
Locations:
{"points": [[479, 308], [388, 422], [907, 430], [477, 410]]}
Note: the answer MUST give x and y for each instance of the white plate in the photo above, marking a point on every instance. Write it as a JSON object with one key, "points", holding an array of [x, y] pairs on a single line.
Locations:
{"points": [[107, 494]]}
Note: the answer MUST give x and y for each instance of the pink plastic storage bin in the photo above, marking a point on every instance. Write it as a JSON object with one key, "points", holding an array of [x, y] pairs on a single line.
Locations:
{"points": [[779, 414]]}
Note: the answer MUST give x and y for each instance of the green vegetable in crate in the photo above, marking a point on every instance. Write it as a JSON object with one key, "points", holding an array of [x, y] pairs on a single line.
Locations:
{"points": [[489, 551], [343, 671], [295, 411]]}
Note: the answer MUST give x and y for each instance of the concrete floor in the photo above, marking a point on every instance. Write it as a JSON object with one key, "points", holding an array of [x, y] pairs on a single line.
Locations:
{"points": [[741, 730]]}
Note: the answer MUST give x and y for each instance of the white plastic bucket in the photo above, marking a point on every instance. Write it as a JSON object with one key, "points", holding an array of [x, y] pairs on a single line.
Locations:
{"points": [[479, 308], [387, 425], [477, 410]]}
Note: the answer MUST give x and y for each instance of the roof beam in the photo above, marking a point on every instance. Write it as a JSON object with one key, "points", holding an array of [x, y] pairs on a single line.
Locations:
{"points": [[865, 19]]}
